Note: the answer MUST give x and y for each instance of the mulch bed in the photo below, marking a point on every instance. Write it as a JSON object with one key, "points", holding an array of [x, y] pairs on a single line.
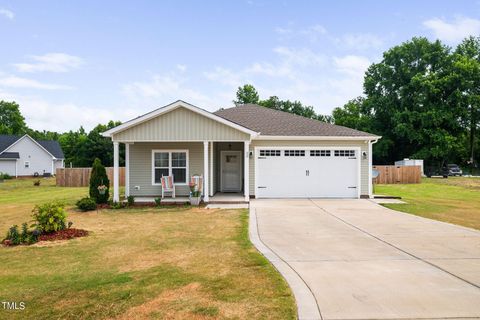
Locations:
{"points": [[63, 235]]}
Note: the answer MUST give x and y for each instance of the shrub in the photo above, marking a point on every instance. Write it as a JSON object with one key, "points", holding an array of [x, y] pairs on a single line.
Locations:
{"points": [[13, 235], [50, 217], [158, 202], [99, 178], [130, 200], [117, 205], [36, 183], [4, 176], [86, 204]]}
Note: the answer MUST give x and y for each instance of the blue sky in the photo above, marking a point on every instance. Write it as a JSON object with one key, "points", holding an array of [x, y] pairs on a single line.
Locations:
{"points": [[72, 63]]}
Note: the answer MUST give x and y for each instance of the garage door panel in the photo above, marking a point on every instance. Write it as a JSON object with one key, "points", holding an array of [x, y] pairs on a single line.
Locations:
{"points": [[280, 177], [307, 172]]}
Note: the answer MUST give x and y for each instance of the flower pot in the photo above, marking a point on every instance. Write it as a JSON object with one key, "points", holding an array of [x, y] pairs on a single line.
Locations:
{"points": [[102, 192], [195, 201]]}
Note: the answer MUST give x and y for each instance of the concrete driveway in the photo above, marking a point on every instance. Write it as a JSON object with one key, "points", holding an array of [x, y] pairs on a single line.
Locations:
{"points": [[359, 260]]}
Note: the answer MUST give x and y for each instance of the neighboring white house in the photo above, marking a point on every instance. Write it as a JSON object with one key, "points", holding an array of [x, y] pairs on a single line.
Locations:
{"points": [[249, 150], [25, 156]]}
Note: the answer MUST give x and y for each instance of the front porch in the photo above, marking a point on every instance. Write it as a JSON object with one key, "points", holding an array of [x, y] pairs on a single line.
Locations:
{"points": [[224, 166], [218, 198]]}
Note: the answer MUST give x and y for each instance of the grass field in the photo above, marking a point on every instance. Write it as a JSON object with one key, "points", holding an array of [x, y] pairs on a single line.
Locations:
{"points": [[455, 200], [177, 263]]}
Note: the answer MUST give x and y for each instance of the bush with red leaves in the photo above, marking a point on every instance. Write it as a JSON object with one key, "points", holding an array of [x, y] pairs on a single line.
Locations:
{"points": [[63, 234]]}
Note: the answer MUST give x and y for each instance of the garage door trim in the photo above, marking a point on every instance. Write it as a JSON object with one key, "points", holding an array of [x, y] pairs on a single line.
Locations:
{"points": [[308, 148]]}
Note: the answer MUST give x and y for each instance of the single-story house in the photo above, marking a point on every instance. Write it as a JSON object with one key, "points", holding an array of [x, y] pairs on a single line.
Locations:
{"points": [[248, 149], [25, 156]]}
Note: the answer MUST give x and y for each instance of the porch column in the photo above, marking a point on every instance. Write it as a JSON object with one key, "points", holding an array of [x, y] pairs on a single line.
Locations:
{"points": [[205, 172], [127, 169], [210, 186], [246, 170], [116, 197]]}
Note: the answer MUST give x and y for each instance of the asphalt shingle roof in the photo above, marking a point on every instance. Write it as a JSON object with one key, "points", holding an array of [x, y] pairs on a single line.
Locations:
{"points": [[270, 122], [10, 155], [51, 146]]}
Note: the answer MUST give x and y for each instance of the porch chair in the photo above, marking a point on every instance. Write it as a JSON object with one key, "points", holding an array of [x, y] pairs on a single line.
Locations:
{"points": [[198, 181], [167, 185]]}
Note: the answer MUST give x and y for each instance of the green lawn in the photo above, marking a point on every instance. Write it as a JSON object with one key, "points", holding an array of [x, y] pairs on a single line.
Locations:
{"points": [[455, 200], [181, 263]]}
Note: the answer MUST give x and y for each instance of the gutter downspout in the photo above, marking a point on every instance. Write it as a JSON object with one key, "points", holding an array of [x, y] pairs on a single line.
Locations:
{"points": [[370, 164]]}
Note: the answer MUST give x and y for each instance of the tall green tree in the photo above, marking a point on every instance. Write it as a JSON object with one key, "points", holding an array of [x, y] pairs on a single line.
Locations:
{"points": [[465, 76], [354, 114], [246, 94], [410, 96], [11, 119], [98, 146]]}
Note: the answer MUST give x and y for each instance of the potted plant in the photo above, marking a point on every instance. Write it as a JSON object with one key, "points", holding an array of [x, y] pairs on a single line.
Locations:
{"points": [[195, 195], [102, 189]]}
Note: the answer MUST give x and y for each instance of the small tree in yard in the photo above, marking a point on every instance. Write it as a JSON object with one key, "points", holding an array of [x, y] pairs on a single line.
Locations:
{"points": [[99, 183]]}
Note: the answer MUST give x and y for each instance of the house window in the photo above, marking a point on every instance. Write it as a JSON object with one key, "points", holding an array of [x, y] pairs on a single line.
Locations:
{"points": [[344, 153], [320, 153], [294, 153], [166, 163], [27, 164]]}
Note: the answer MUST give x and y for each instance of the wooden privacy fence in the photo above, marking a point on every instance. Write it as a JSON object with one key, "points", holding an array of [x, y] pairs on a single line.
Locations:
{"points": [[80, 177], [398, 174]]}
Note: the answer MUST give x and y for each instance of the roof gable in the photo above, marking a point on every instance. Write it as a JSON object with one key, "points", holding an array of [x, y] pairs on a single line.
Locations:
{"points": [[272, 122], [169, 108], [51, 147], [180, 124]]}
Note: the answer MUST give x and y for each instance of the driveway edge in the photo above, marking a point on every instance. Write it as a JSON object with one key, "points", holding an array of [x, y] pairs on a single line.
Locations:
{"points": [[307, 308]]}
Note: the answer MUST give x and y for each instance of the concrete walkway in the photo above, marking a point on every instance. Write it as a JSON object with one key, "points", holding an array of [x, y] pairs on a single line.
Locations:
{"points": [[359, 260]]}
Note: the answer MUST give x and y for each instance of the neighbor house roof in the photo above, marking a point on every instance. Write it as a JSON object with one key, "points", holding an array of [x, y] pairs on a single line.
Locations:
{"points": [[51, 146], [10, 155], [270, 122]]}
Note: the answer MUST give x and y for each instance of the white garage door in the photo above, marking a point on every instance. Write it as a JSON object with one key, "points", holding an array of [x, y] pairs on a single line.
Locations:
{"points": [[307, 173]]}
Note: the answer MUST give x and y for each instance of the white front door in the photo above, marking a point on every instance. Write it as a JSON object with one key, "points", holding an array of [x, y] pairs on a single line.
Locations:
{"points": [[231, 171]]}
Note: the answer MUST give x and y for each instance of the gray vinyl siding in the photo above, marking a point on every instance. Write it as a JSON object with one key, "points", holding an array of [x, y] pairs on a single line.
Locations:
{"points": [[334, 143], [8, 166], [40, 160], [141, 166], [180, 124]]}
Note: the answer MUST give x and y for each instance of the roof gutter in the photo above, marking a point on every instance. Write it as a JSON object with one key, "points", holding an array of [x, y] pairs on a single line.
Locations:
{"points": [[351, 138]]}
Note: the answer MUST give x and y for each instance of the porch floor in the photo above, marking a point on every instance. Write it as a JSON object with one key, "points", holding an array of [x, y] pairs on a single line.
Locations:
{"points": [[219, 197]]}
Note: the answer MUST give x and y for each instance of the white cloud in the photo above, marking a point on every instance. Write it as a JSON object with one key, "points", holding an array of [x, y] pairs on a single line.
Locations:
{"points": [[182, 67], [7, 13], [18, 82], [163, 89], [313, 33], [300, 57], [41, 114], [51, 62], [224, 76], [299, 74], [352, 65], [454, 31], [360, 41]]}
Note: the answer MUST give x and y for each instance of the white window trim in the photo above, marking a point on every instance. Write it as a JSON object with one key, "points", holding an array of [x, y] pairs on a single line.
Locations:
{"points": [[170, 165], [25, 163]]}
